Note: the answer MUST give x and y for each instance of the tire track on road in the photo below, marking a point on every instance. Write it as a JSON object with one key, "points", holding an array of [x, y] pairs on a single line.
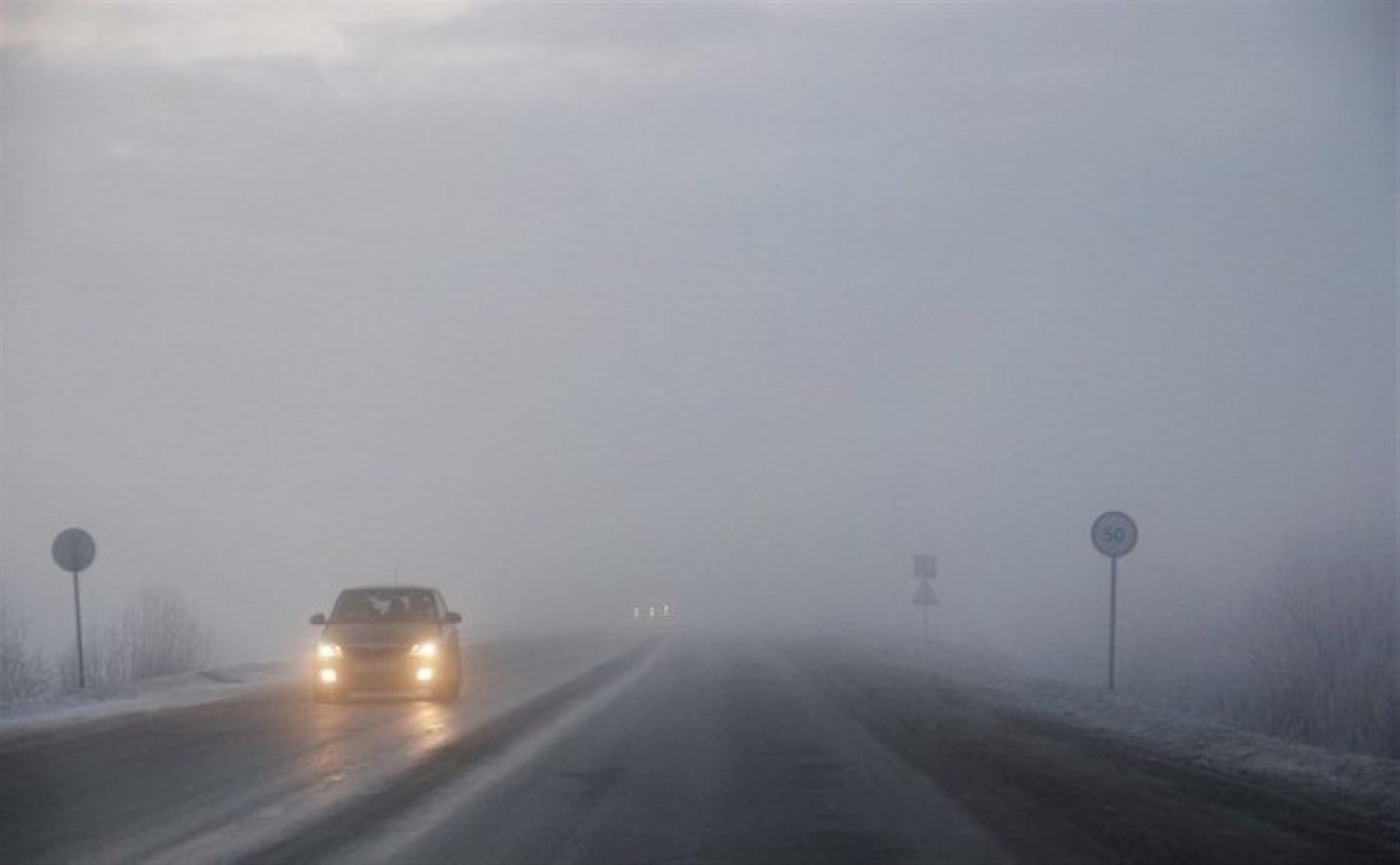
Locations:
{"points": [[353, 822]]}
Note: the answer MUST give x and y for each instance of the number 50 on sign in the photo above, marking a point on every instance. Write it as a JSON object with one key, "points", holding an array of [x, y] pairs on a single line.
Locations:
{"points": [[1115, 534]]}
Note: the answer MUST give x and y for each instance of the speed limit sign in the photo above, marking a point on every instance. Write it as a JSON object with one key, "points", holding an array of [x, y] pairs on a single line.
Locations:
{"points": [[1114, 534]]}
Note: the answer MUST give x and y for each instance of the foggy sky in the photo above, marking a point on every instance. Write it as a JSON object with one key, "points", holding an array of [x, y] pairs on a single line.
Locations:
{"points": [[742, 306]]}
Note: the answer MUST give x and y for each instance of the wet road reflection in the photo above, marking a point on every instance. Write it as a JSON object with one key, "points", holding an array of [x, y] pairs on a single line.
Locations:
{"points": [[209, 783]]}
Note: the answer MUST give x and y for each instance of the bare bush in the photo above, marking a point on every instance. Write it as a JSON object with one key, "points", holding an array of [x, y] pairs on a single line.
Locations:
{"points": [[23, 672], [1312, 654], [158, 634], [162, 635], [1322, 651]]}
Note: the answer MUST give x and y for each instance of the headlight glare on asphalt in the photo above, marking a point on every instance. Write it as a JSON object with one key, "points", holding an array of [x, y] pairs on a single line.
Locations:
{"points": [[425, 674], [328, 676], [424, 650]]}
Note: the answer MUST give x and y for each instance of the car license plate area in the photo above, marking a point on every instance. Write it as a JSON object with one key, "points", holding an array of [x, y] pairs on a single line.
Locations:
{"points": [[378, 668], [393, 678], [376, 654]]}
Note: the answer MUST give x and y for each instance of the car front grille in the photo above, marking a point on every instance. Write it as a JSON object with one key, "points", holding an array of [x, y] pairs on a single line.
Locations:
{"points": [[375, 653]]}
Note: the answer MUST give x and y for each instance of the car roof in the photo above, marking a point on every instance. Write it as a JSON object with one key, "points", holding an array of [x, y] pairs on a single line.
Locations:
{"points": [[388, 588]]}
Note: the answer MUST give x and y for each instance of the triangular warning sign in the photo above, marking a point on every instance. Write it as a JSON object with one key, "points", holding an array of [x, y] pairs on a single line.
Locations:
{"points": [[924, 596]]}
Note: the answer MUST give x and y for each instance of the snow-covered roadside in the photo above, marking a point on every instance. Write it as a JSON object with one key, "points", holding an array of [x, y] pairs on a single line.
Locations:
{"points": [[144, 697], [1370, 784], [160, 694]]}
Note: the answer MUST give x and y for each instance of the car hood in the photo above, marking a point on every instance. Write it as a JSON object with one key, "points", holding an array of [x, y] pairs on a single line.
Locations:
{"points": [[382, 634]]}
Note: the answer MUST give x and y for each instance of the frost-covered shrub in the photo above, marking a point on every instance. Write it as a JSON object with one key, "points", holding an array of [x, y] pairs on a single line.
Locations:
{"points": [[157, 634], [1322, 651], [23, 673]]}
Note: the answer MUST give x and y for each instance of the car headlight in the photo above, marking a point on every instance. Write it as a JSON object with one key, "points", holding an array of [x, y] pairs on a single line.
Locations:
{"points": [[424, 650], [327, 651]]}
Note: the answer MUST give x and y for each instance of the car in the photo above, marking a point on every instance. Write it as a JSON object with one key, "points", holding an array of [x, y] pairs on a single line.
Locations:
{"points": [[388, 639]]}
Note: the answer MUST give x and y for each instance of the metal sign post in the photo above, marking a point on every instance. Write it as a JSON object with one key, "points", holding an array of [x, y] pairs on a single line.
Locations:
{"points": [[73, 551], [925, 569], [1114, 534], [1112, 617], [923, 599]]}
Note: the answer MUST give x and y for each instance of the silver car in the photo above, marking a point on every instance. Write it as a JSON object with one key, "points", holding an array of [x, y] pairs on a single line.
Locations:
{"points": [[388, 639]]}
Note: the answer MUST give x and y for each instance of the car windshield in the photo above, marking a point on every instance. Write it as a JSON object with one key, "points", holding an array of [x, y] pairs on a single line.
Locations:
{"points": [[368, 606]]}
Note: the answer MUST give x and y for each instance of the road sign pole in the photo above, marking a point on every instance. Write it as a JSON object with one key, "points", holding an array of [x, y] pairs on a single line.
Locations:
{"points": [[78, 614], [925, 569], [1114, 534], [1112, 617], [73, 551]]}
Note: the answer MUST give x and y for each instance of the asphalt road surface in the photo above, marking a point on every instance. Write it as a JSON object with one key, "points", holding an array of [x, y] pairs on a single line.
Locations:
{"points": [[645, 747]]}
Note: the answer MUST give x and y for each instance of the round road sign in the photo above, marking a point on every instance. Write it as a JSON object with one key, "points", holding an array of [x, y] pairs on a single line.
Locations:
{"points": [[74, 550], [1114, 534]]}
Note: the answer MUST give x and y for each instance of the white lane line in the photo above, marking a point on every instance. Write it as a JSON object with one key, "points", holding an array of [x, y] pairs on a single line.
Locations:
{"points": [[340, 777], [452, 799]]}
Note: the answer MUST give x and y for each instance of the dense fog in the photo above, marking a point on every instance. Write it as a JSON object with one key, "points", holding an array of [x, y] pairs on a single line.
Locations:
{"points": [[736, 307]]}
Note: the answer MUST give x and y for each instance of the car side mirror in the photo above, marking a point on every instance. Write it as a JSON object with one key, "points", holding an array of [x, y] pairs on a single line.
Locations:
{"points": [[452, 618], [318, 619]]}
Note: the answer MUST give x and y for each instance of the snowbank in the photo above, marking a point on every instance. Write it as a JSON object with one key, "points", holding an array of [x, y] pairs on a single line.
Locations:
{"points": [[144, 697], [1370, 784]]}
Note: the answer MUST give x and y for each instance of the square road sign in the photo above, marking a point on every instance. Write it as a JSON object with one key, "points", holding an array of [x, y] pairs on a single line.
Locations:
{"points": [[925, 567]]}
